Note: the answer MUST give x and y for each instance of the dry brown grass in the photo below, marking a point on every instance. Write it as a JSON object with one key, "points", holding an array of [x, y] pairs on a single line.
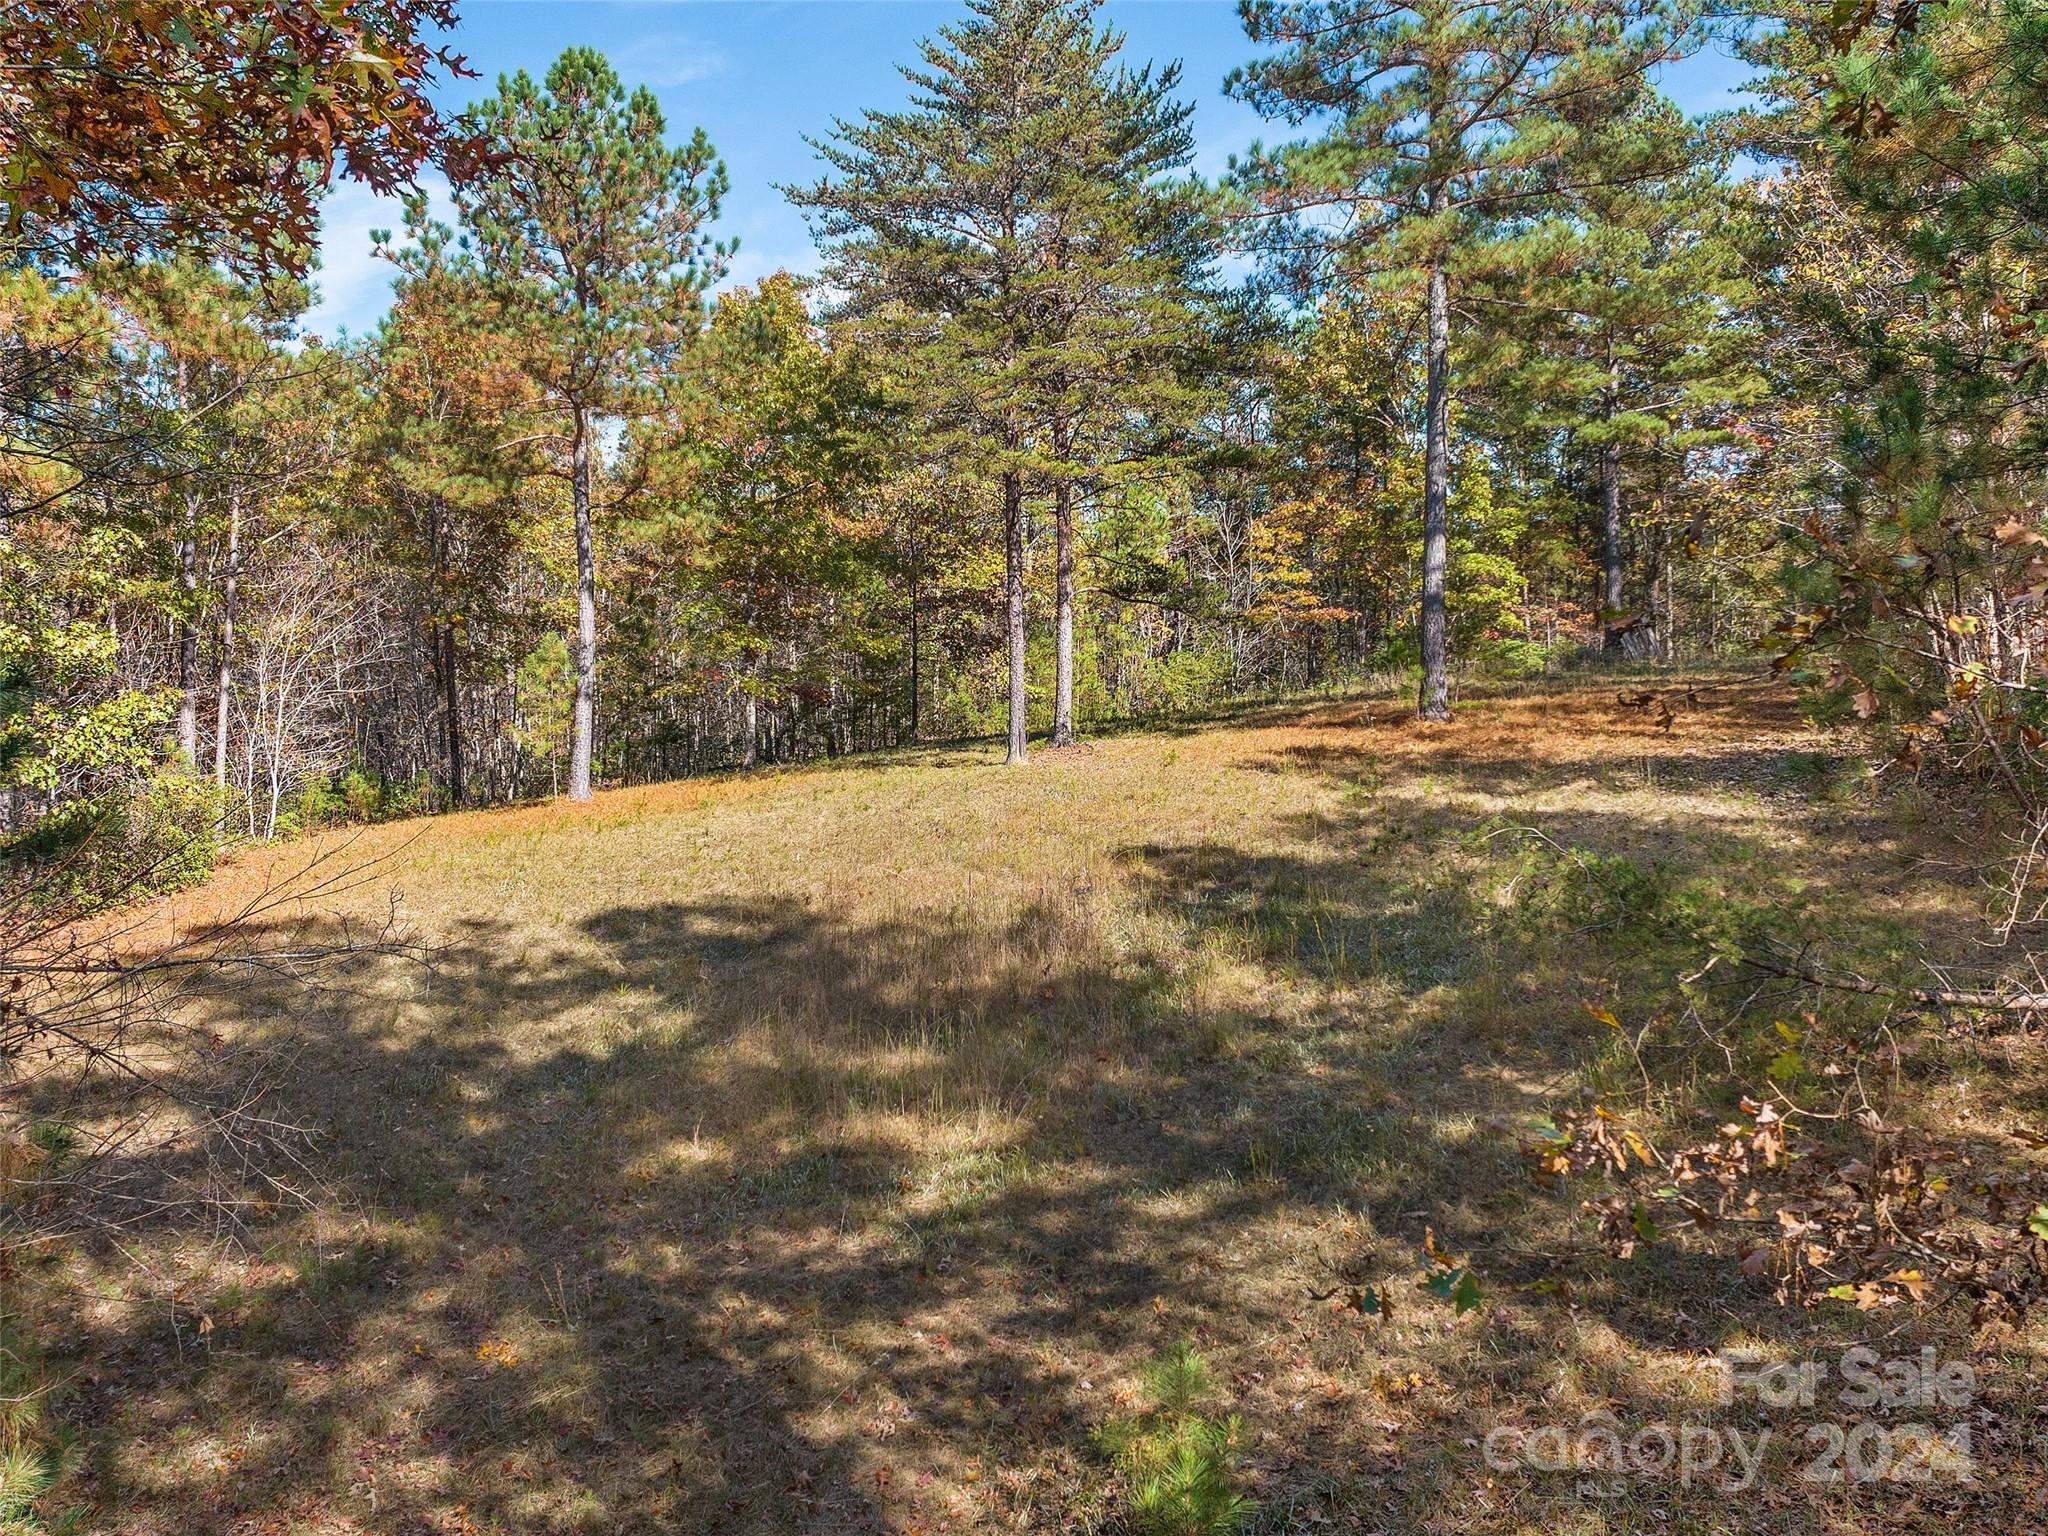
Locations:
{"points": [[824, 1150]]}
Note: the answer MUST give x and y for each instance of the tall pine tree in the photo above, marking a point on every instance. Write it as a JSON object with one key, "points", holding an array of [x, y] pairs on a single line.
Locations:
{"points": [[1622, 323], [1444, 124], [1130, 250], [1014, 239], [589, 229]]}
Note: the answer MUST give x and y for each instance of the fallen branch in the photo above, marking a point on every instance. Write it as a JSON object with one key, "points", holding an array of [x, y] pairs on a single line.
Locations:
{"points": [[1993, 1000]]}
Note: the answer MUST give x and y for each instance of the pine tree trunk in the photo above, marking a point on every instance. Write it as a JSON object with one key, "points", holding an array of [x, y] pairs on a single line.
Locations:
{"points": [[1013, 592], [1610, 521], [451, 707], [230, 586], [750, 728], [445, 661], [1063, 659], [188, 645], [586, 614], [1435, 701]]}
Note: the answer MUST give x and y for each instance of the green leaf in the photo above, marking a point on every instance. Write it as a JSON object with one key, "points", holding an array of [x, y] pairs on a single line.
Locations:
{"points": [[1646, 1229], [1466, 1298], [1460, 1287]]}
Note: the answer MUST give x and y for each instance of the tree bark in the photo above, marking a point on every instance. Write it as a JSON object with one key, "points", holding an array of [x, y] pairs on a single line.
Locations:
{"points": [[1063, 652], [445, 652], [188, 644], [916, 683], [1610, 521], [1013, 592], [914, 574], [1667, 636], [586, 613], [750, 716], [451, 707], [1435, 700], [230, 585]]}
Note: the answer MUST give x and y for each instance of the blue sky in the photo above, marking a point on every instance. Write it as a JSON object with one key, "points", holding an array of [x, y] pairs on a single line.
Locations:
{"points": [[758, 75]]}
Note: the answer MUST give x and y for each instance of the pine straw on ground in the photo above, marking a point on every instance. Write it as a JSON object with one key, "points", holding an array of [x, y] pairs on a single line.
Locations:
{"points": [[825, 1150]]}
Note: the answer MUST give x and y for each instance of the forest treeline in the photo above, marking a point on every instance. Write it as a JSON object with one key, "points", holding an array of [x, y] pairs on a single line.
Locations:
{"points": [[1489, 357]]}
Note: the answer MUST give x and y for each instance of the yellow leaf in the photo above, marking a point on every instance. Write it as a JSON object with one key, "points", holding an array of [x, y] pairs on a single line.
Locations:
{"points": [[1912, 1281]]}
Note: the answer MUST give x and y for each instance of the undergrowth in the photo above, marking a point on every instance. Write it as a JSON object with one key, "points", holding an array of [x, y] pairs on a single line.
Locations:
{"points": [[1175, 1461]]}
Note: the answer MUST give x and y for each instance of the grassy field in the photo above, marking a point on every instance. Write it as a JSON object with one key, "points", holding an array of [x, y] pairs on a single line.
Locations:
{"points": [[829, 1150]]}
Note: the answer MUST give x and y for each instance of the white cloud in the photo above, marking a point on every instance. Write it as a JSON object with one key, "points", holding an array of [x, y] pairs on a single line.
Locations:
{"points": [[666, 58], [355, 286]]}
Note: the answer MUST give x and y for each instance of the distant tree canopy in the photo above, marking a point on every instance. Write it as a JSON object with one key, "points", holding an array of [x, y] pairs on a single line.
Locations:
{"points": [[1493, 359]]}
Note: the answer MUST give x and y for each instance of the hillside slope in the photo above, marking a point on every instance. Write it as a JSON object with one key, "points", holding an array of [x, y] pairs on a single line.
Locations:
{"points": [[827, 1150]]}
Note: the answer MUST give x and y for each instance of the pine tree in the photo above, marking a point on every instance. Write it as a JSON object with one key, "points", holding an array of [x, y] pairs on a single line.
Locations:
{"points": [[589, 230], [449, 406], [1622, 325], [545, 687], [1909, 246], [1125, 282], [1447, 120], [1011, 239]]}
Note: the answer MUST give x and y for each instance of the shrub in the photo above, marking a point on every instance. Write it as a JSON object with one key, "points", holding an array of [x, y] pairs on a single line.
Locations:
{"points": [[319, 803], [362, 795], [175, 824], [163, 835], [1510, 657]]}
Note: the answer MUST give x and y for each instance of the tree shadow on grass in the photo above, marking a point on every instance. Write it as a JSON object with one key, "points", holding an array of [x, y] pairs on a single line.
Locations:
{"points": [[598, 1277], [1459, 965], [749, 1216]]}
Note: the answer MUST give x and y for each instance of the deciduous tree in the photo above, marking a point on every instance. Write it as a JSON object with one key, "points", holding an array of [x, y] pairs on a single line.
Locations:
{"points": [[207, 125]]}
